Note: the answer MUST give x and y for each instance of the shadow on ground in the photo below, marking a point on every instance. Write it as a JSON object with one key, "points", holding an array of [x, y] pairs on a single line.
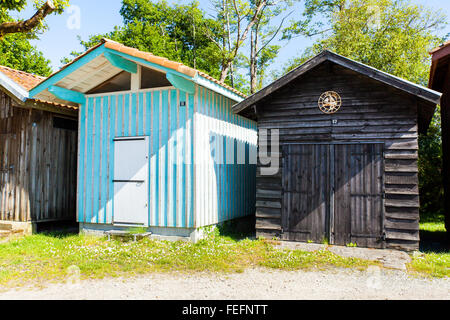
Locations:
{"points": [[433, 241], [238, 229]]}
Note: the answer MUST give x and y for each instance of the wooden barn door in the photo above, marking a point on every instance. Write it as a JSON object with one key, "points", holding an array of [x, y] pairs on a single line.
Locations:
{"points": [[333, 192], [305, 192], [358, 211]]}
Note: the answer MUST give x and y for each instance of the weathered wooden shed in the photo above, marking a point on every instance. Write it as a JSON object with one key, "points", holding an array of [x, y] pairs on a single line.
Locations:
{"points": [[348, 137], [440, 81], [38, 148], [159, 145]]}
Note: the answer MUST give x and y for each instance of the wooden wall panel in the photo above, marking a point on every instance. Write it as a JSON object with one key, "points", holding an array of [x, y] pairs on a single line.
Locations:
{"points": [[37, 166], [371, 112]]}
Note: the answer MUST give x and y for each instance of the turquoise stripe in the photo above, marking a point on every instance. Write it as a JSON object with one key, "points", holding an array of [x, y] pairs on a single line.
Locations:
{"points": [[112, 135], [89, 176], [224, 165], [147, 122], [133, 131], [221, 162], [155, 131], [126, 116], [141, 119], [182, 165], [203, 102], [81, 171], [191, 164], [163, 162], [173, 165], [104, 178], [96, 152], [119, 128], [236, 181]]}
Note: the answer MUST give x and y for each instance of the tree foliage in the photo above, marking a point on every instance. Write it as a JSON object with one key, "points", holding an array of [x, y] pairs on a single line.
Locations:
{"points": [[176, 32], [212, 43], [16, 52], [430, 169], [393, 36], [33, 24]]}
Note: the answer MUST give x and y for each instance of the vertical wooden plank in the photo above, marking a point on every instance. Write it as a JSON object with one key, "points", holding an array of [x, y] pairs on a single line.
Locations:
{"points": [[163, 156], [127, 115], [193, 111], [133, 114], [172, 178], [155, 129], [332, 190], [89, 162]]}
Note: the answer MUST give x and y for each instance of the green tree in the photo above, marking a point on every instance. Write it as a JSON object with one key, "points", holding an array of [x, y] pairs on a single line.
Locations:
{"points": [[8, 25], [263, 32], [391, 35], [16, 52], [430, 169], [176, 32], [239, 21]]}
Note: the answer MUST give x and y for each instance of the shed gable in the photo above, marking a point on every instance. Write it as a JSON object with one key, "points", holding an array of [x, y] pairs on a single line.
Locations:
{"points": [[372, 114]]}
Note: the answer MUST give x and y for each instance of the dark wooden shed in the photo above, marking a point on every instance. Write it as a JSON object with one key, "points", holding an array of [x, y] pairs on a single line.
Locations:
{"points": [[38, 156], [348, 149], [440, 81]]}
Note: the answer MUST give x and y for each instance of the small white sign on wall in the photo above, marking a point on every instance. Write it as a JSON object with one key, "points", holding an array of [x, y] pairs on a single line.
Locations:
{"points": [[131, 158]]}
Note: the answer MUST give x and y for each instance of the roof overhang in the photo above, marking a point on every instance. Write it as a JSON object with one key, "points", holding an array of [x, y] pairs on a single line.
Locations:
{"points": [[99, 64], [13, 88], [20, 96], [421, 92], [439, 66]]}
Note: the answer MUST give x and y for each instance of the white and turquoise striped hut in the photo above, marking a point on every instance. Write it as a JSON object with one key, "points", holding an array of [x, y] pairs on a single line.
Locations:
{"points": [[159, 145]]}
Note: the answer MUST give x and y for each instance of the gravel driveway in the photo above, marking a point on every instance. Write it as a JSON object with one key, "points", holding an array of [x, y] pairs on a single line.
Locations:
{"points": [[255, 284]]}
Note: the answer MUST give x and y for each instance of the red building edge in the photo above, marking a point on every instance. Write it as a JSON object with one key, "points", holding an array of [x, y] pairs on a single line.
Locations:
{"points": [[440, 81]]}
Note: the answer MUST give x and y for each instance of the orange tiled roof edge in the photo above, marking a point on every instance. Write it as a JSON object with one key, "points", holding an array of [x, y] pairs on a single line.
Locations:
{"points": [[164, 62], [22, 78]]}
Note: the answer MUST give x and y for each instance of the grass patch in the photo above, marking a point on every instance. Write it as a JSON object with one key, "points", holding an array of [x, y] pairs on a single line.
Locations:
{"points": [[434, 258], [42, 258], [323, 259], [435, 264]]}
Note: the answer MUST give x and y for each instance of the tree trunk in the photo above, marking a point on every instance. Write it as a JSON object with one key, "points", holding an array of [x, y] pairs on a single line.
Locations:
{"points": [[254, 61], [27, 25], [224, 73]]}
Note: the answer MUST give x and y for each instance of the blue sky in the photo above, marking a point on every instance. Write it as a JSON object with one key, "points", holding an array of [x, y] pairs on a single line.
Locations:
{"points": [[100, 16]]}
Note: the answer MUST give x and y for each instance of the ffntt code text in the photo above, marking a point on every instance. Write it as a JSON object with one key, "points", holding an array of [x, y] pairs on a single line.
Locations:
{"points": [[231, 309]]}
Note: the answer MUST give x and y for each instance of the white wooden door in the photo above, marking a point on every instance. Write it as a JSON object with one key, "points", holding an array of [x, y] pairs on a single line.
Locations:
{"points": [[131, 156]]}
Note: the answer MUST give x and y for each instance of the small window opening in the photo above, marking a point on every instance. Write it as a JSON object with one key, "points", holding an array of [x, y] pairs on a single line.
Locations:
{"points": [[121, 82], [65, 124], [153, 79]]}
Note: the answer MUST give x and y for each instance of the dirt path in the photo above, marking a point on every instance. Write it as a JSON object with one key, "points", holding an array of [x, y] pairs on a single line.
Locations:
{"points": [[256, 284]]}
